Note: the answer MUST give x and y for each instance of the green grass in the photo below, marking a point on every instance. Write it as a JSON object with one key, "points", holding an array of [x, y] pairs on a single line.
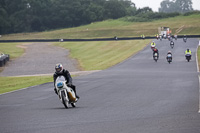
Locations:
{"points": [[12, 49], [119, 27], [103, 54], [8, 84]]}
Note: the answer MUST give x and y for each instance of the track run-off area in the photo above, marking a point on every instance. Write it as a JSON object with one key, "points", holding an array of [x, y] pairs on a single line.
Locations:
{"points": [[137, 95]]}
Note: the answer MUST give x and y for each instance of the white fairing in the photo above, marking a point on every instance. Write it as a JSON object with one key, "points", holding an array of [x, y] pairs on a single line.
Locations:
{"points": [[155, 54], [169, 55], [61, 86]]}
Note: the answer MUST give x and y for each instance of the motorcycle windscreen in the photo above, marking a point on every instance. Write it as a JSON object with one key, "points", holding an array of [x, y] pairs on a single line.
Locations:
{"points": [[60, 79]]}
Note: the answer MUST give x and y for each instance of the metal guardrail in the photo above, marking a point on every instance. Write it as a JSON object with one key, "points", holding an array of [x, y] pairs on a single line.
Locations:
{"points": [[95, 39], [3, 59]]}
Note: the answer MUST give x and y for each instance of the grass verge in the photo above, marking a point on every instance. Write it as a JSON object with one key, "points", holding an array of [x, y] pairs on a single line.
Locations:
{"points": [[8, 84], [12, 49], [102, 54]]}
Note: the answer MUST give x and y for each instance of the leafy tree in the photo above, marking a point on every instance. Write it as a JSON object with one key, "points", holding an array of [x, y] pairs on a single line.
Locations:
{"points": [[181, 6]]}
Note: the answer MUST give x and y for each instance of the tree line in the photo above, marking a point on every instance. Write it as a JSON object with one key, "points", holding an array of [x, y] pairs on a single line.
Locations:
{"points": [[39, 15], [181, 6]]}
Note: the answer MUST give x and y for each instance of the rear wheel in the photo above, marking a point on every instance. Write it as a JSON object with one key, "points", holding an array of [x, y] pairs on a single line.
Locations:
{"points": [[64, 101]]}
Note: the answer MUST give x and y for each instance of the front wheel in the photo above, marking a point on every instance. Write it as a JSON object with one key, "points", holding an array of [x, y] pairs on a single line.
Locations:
{"points": [[64, 100], [73, 105]]}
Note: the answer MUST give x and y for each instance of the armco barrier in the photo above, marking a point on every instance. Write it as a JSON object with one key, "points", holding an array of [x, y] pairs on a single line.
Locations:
{"points": [[95, 39]]}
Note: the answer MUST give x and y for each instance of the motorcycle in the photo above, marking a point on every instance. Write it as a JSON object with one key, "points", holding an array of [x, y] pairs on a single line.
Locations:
{"points": [[66, 94], [155, 57], [172, 44], [160, 38], [188, 57], [175, 36], [169, 37], [169, 58], [157, 37], [184, 39]]}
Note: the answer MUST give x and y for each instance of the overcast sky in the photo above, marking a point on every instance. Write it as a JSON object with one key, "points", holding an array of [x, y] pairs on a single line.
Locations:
{"points": [[155, 4]]}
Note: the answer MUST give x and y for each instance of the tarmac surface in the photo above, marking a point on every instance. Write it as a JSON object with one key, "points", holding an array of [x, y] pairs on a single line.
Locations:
{"points": [[138, 95]]}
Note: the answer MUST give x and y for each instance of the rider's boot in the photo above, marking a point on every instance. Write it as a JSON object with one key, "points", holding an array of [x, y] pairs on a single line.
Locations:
{"points": [[74, 88]]}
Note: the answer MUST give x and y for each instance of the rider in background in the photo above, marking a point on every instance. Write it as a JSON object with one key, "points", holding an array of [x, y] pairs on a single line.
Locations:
{"points": [[142, 36], [169, 53], [155, 51], [175, 36], [62, 72], [184, 38], [188, 52], [153, 45], [157, 36]]}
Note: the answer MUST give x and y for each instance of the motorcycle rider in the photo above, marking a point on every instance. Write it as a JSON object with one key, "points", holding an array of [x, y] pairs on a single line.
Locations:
{"points": [[188, 53], [62, 72], [184, 38], [171, 43], [155, 50], [175, 36], [153, 45], [157, 36], [169, 53]]}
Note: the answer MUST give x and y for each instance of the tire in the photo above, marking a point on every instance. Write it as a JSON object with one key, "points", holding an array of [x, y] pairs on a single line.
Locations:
{"points": [[73, 105], [65, 103]]}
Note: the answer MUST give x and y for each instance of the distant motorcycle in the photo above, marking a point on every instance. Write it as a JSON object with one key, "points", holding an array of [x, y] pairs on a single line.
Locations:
{"points": [[184, 39], [175, 36], [172, 44], [160, 38], [169, 58], [188, 57], [155, 57], [169, 37], [157, 37], [65, 93]]}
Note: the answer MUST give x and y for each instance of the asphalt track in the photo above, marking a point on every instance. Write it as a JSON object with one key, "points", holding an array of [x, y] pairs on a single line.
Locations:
{"points": [[135, 96]]}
